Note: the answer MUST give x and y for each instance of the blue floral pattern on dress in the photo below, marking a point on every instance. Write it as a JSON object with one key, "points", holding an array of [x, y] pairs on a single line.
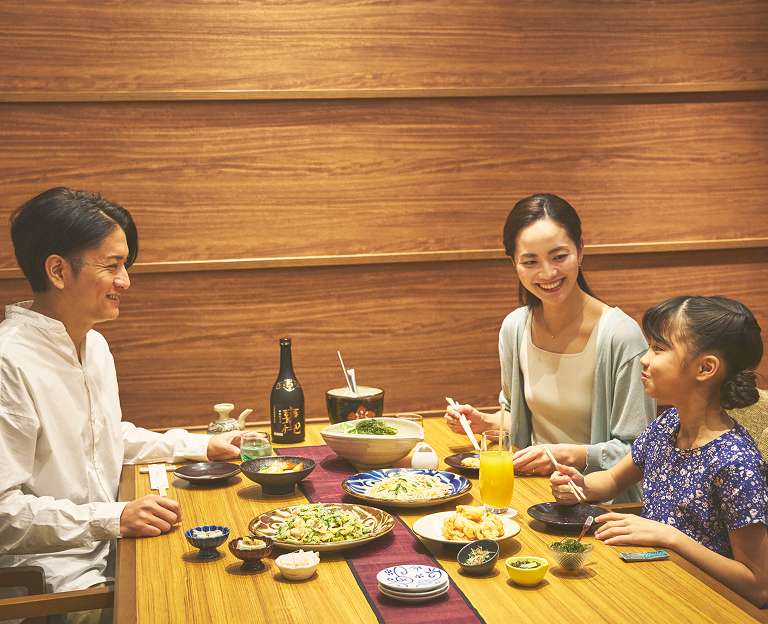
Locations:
{"points": [[704, 492]]}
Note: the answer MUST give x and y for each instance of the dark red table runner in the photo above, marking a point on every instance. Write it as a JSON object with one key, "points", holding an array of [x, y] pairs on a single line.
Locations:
{"points": [[399, 547]]}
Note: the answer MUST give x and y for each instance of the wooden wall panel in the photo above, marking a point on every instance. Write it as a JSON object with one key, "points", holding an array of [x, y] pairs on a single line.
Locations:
{"points": [[420, 331], [228, 180], [178, 45], [652, 119]]}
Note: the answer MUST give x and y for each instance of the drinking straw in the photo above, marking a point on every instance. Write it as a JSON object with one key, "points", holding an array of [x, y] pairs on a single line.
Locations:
{"points": [[501, 428]]}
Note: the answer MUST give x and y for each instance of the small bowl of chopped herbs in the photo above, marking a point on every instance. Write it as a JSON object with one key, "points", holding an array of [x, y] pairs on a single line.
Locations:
{"points": [[479, 557], [570, 554], [371, 443], [526, 571]]}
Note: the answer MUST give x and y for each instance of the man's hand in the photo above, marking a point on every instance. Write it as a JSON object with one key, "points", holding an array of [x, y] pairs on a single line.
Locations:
{"points": [[224, 446], [149, 516]]}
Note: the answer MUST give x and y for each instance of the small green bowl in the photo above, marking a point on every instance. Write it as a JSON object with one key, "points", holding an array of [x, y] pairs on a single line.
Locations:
{"points": [[527, 577]]}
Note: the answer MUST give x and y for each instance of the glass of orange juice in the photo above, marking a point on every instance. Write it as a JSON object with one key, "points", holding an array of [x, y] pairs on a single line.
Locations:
{"points": [[497, 472]]}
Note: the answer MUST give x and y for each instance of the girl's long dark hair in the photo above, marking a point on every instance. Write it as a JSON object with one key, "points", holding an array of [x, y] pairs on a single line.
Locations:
{"points": [[713, 325], [531, 209]]}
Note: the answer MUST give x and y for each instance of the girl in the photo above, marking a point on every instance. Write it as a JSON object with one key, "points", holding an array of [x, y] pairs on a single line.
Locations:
{"points": [[570, 364], [704, 480]]}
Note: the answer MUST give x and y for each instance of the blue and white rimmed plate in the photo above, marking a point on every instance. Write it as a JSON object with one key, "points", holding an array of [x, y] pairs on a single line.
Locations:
{"points": [[412, 578], [359, 486], [414, 596]]}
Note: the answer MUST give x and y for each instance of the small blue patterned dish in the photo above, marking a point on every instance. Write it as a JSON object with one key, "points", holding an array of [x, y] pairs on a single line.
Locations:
{"points": [[359, 486], [207, 545], [412, 578]]}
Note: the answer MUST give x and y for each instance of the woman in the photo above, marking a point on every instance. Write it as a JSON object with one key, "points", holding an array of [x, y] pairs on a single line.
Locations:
{"points": [[570, 364]]}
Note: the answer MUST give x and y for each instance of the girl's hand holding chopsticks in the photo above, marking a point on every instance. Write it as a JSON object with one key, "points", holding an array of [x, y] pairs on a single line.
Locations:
{"points": [[567, 485]]}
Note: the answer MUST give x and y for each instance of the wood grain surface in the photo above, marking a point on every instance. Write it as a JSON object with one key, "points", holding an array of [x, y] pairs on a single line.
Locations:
{"points": [[233, 180], [90, 46], [419, 331], [172, 586]]}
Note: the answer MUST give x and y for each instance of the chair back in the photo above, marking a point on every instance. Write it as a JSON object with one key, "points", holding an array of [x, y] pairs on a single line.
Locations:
{"points": [[755, 420]]}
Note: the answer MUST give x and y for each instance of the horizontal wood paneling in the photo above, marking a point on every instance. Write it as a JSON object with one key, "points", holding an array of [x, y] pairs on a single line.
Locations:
{"points": [[232, 180], [178, 45], [420, 331]]}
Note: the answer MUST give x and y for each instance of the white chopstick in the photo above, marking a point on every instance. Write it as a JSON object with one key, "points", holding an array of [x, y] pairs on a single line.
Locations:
{"points": [[464, 423], [345, 372], [168, 468], [577, 491]]}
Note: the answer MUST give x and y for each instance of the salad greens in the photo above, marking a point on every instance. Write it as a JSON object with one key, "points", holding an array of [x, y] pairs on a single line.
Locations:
{"points": [[368, 426], [568, 545]]}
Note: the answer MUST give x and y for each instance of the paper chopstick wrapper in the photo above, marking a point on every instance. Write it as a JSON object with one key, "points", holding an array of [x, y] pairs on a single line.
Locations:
{"points": [[158, 479], [168, 468]]}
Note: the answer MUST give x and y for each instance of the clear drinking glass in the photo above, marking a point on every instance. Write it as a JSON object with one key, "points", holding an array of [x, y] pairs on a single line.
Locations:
{"points": [[497, 472], [255, 444], [413, 418]]}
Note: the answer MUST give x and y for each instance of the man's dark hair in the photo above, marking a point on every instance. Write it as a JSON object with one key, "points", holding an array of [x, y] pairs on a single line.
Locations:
{"points": [[66, 223]]}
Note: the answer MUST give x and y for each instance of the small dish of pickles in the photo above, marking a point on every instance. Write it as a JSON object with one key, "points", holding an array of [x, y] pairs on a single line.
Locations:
{"points": [[526, 571]]}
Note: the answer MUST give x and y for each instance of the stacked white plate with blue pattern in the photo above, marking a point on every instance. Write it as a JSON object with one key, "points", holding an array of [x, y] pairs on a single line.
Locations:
{"points": [[413, 583]]}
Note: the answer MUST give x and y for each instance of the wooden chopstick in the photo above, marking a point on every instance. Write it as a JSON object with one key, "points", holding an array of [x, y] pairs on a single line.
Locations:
{"points": [[168, 468], [577, 491], [464, 423]]}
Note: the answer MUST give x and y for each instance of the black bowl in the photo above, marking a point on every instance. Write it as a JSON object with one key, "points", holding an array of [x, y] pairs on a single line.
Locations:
{"points": [[480, 568], [342, 408], [280, 484]]}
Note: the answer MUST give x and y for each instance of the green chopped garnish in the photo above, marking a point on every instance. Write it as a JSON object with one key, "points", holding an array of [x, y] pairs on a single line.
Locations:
{"points": [[568, 545], [368, 426]]}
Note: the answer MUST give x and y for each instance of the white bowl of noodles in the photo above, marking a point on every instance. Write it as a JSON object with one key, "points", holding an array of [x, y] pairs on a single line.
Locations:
{"points": [[369, 451]]}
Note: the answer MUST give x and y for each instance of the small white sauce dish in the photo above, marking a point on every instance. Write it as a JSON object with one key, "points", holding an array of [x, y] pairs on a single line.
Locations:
{"points": [[298, 565]]}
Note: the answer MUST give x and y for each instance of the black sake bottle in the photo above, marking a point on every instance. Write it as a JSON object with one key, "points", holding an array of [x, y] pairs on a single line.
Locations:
{"points": [[287, 401]]}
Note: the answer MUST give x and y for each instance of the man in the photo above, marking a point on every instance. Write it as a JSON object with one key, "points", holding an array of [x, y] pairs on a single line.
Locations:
{"points": [[62, 442]]}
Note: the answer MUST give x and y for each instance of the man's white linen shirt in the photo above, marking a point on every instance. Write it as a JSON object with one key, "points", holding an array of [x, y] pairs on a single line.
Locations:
{"points": [[62, 445]]}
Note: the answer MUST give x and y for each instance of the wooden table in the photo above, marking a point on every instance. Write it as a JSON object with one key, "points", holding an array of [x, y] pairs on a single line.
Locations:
{"points": [[160, 580]]}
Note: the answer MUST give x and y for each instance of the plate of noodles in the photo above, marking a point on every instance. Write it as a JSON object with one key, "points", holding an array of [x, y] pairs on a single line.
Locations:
{"points": [[322, 526], [406, 487]]}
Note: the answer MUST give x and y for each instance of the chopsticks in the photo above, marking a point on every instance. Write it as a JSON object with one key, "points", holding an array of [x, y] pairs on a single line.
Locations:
{"points": [[577, 491], [346, 376], [168, 468], [464, 423]]}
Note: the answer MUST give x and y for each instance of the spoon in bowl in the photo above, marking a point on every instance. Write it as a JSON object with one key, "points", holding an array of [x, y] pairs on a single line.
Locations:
{"points": [[587, 524]]}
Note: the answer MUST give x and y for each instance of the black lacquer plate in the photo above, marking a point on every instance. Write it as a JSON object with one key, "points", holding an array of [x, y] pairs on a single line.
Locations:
{"points": [[455, 462], [565, 517], [207, 473]]}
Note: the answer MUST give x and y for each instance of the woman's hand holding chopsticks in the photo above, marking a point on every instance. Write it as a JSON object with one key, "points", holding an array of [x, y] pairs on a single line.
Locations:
{"points": [[478, 421]]}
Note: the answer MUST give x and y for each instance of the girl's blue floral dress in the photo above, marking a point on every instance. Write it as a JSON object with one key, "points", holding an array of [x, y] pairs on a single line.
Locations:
{"points": [[704, 492]]}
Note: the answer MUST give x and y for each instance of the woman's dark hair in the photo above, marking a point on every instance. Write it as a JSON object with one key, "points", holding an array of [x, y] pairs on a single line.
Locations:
{"points": [[713, 325], [66, 223], [534, 208]]}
